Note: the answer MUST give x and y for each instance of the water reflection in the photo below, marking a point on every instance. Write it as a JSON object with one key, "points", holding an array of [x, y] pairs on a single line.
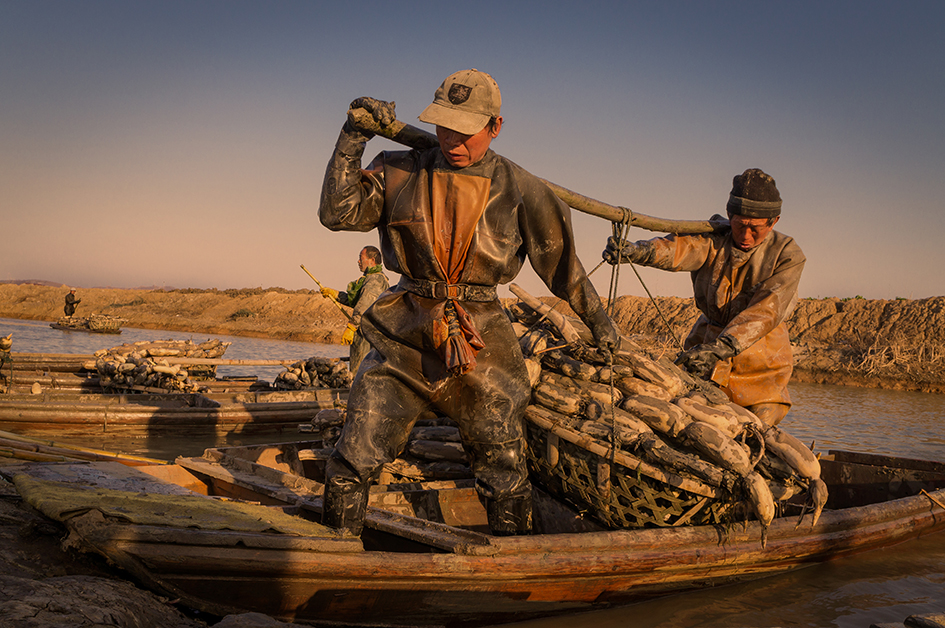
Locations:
{"points": [[867, 419], [883, 586]]}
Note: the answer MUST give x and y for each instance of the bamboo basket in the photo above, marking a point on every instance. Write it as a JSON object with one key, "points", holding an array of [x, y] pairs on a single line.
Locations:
{"points": [[612, 486]]}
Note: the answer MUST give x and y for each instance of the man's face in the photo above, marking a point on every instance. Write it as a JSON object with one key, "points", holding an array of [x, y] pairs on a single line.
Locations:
{"points": [[465, 150], [364, 262], [749, 232]]}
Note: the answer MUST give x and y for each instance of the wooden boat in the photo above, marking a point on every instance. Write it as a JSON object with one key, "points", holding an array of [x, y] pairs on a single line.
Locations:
{"points": [[76, 372], [72, 402], [425, 558], [94, 324], [150, 414]]}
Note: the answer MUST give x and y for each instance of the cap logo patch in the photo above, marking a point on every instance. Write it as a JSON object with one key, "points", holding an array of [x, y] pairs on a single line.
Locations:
{"points": [[459, 94]]}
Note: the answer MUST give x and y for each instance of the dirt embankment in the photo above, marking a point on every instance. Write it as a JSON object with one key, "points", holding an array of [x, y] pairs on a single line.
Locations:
{"points": [[898, 344]]}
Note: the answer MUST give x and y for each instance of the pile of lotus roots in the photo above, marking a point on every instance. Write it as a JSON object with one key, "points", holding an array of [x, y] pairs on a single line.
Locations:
{"points": [[649, 408], [144, 365], [314, 373]]}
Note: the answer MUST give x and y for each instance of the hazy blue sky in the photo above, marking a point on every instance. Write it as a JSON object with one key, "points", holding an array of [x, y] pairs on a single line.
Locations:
{"points": [[183, 143]]}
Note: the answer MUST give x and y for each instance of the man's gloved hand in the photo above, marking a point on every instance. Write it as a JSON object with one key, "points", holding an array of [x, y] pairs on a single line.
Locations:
{"points": [[620, 251], [348, 337], [701, 359], [381, 110], [330, 293], [604, 333]]}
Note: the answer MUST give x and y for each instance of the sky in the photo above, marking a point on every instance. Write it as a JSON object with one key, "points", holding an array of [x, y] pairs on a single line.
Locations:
{"points": [[183, 143]]}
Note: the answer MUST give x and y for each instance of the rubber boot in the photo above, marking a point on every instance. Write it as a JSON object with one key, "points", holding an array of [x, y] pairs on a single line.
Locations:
{"points": [[510, 516], [345, 500]]}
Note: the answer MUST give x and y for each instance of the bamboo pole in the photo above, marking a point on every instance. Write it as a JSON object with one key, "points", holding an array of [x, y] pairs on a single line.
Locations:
{"points": [[25, 443], [226, 362], [340, 309], [413, 137]]}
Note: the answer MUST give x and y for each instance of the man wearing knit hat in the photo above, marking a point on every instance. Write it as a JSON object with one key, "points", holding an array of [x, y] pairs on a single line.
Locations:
{"points": [[454, 221], [744, 281]]}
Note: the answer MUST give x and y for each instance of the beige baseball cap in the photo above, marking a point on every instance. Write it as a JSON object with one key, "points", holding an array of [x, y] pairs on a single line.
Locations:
{"points": [[464, 102]]}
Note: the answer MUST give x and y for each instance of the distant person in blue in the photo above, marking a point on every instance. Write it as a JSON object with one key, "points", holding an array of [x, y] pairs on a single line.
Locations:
{"points": [[71, 303]]}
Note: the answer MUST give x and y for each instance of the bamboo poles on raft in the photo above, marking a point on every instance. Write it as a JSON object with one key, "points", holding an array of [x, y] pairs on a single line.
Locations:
{"points": [[38, 450]]}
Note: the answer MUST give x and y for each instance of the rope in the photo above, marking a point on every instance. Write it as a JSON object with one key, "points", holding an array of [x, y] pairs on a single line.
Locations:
{"points": [[620, 230]]}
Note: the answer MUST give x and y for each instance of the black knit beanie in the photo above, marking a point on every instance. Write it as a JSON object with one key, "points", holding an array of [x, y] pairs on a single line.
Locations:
{"points": [[754, 195]]}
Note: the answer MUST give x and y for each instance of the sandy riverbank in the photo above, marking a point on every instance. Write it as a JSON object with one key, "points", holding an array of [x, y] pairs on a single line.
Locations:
{"points": [[897, 344]]}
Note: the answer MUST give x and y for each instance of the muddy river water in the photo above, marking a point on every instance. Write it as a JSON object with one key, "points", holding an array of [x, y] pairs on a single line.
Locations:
{"points": [[875, 587]]}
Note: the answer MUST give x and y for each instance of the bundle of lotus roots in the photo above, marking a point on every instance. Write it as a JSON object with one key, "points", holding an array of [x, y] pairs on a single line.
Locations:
{"points": [[314, 373], [640, 442], [144, 365]]}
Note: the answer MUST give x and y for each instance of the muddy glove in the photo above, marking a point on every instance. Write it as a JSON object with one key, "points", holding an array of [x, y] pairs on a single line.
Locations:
{"points": [[621, 252], [381, 110], [701, 359], [604, 333], [348, 337], [344, 169], [330, 293]]}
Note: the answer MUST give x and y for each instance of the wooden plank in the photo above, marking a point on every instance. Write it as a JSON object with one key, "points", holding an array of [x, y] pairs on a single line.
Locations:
{"points": [[886, 461], [306, 493], [175, 537]]}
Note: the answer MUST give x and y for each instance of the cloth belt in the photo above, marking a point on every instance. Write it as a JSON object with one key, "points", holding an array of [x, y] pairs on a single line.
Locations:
{"points": [[443, 290]]}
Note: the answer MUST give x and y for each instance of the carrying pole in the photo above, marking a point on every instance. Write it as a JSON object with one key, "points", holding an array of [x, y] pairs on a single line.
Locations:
{"points": [[412, 137], [338, 305]]}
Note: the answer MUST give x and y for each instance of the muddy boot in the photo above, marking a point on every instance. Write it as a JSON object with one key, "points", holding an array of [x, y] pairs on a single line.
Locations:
{"points": [[510, 516], [345, 500]]}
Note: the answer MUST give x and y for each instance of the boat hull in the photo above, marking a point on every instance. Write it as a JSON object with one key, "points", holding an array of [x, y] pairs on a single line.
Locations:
{"points": [[524, 578], [140, 415], [492, 579], [84, 329]]}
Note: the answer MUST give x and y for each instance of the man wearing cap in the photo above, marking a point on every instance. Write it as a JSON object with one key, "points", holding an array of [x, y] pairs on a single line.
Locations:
{"points": [[71, 303], [744, 281], [454, 221]]}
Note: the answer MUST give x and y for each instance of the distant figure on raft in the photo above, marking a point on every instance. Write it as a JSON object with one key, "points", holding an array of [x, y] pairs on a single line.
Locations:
{"points": [[360, 295], [744, 280], [71, 303]]}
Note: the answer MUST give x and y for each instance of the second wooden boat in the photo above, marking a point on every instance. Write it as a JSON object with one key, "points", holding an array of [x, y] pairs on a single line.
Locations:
{"points": [[150, 414]]}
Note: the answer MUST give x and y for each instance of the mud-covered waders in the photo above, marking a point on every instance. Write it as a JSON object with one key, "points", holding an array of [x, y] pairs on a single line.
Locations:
{"points": [[397, 383]]}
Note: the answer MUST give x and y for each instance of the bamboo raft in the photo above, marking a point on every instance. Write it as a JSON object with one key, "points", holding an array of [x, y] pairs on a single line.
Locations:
{"points": [[16, 448]]}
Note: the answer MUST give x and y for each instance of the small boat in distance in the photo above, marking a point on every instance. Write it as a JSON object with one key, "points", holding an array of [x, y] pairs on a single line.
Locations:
{"points": [[94, 324]]}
